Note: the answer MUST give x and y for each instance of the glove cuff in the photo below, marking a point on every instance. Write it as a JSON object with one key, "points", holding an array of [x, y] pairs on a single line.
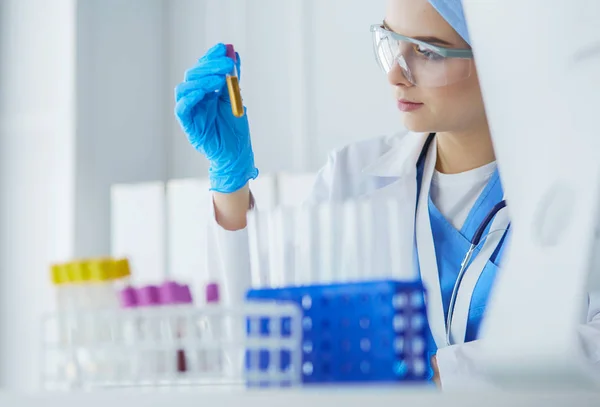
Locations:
{"points": [[229, 183]]}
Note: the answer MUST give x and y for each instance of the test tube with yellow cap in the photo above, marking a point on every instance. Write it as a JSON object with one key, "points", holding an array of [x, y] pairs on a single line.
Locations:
{"points": [[102, 278], [233, 85], [60, 280]]}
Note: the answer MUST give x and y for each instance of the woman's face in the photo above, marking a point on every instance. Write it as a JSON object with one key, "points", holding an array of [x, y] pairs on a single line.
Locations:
{"points": [[451, 108]]}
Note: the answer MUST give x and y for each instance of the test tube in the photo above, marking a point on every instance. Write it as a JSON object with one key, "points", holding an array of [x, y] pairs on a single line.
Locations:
{"points": [[325, 273], [394, 240], [254, 236], [285, 228], [211, 361], [352, 259], [306, 241], [151, 358], [233, 85], [401, 248], [129, 365], [367, 236], [176, 298], [277, 266]]}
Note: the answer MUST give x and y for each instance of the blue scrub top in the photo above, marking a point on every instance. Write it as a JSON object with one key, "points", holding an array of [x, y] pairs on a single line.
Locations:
{"points": [[451, 245]]}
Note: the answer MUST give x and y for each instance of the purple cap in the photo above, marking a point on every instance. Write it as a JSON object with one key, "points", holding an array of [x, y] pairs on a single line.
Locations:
{"points": [[148, 296], [128, 297], [169, 293], [231, 52], [172, 293], [212, 293], [185, 294]]}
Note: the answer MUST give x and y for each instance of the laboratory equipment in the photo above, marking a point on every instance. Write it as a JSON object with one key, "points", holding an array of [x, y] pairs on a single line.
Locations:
{"points": [[330, 242], [178, 296], [373, 331], [142, 352], [213, 329], [83, 287], [89, 283], [146, 326], [233, 85]]}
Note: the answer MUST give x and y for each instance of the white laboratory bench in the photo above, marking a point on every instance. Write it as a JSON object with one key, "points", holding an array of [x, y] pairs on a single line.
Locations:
{"points": [[314, 397]]}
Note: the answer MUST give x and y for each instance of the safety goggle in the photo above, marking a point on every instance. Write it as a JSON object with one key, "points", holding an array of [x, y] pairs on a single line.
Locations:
{"points": [[422, 64]]}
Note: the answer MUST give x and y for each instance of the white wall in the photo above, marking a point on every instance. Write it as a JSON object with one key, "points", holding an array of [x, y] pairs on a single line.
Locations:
{"points": [[122, 108], [37, 52]]}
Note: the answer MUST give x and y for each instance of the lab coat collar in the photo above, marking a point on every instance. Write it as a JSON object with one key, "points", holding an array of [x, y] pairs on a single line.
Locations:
{"points": [[401, 159]]}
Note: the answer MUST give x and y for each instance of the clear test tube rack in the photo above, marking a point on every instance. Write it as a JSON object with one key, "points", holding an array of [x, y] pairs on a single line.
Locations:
{"points": [[144, 347]]}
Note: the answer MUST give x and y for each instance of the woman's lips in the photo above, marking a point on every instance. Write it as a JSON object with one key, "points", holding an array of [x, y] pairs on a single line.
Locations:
{"points": [[408, 106]]}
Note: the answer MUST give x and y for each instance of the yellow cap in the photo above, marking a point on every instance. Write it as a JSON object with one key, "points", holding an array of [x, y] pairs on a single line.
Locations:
{"points": [[101, 270], [58, 274], [121, 268], [70, 271], [80, 272]]}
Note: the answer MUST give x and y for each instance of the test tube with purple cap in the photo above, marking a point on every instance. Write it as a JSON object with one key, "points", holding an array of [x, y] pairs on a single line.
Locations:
{"points": [[233, 84], [152, 360], [176, 296], [211, 330]]}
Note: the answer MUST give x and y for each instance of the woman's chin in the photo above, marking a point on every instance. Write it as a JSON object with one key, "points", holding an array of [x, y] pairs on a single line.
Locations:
{"points": [[416, 124]]}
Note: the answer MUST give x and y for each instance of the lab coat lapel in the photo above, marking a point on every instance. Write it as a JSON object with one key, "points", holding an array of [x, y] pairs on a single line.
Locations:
{"points": [[467, 287], [400, 162], [427, 257], [401, 159]]}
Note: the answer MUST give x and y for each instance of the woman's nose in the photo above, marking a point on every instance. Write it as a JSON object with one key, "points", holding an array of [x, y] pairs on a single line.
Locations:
{"points": [[397, 77]]}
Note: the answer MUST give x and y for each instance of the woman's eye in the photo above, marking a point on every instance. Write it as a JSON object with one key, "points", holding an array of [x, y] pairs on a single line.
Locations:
{"points": [[426, 52]]}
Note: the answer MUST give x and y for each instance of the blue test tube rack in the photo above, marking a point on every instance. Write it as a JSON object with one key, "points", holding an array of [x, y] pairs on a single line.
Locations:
{"points": [[373, 331]]}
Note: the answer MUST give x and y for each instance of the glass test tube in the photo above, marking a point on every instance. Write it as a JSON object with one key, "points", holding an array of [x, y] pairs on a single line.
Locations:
{"points": [[233, 85]]}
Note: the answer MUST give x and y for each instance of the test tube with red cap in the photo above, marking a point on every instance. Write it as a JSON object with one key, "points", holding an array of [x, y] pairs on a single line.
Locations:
{"points": [[233, 85]]}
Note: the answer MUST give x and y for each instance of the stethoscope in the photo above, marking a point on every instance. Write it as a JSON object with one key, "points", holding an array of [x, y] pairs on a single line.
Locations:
{"points": [[477, 237], [475, 242]]}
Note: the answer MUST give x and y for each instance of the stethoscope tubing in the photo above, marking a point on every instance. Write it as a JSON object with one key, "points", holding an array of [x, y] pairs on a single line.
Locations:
{"points": [[465, 264]]}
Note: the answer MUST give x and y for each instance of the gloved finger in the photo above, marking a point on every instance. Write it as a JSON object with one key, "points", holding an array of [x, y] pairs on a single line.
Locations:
{"points": [[221, 66], [187, 105], [217, 51], [190, 100], [207, 83]]}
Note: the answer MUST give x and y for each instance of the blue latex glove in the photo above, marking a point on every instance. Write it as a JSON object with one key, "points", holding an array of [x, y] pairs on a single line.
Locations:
{"points": [[204, 112]]}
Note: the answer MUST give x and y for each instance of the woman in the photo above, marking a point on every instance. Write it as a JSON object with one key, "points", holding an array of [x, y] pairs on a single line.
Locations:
{"points": [[444, 167]]}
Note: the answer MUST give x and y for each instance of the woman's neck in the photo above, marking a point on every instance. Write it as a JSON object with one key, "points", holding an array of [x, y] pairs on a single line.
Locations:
{"points": [[464, 151]]}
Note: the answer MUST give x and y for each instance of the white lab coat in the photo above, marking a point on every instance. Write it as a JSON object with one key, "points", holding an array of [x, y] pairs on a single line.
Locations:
{"points": [[383, 168]]}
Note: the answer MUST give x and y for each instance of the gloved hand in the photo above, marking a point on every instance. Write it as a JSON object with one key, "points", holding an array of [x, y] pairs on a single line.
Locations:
{"points": [[204, 112]]}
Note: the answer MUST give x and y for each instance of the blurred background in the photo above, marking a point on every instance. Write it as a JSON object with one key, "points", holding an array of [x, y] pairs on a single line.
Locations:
{"points": [[86, 102]]}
